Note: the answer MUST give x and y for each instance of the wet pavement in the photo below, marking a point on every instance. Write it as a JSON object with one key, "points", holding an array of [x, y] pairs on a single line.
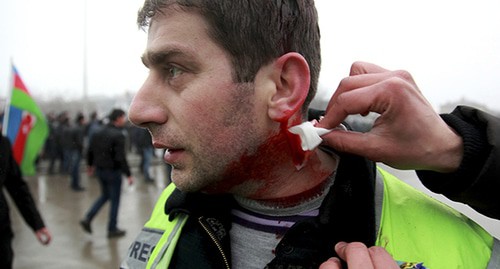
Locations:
{"points": [[62, 209]]}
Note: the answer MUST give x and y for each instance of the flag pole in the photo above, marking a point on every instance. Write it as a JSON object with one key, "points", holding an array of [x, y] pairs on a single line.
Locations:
{"points": [[85, 75], [7, 101]]}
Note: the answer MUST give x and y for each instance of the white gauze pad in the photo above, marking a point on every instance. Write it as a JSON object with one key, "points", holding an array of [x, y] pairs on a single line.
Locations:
{"points": [[310, 136]]}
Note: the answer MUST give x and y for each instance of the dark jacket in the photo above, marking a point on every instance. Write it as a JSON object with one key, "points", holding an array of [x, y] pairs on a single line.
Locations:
{"points": [[107, 150], [210, 215], [12, 179], [143, 138], [477, 180], [73, 137]]}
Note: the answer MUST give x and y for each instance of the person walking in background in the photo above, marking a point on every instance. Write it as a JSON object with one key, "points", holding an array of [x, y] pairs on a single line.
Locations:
{"points": [[106, 154], [93, 126], [12, 179], [56, 134], [49, 150], [145, 148], [73, 148]]}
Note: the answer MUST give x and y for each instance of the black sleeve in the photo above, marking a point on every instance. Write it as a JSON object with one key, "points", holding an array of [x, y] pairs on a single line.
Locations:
{"points": [[477, 180], [19, 191], [121, 155], [90, 151]]}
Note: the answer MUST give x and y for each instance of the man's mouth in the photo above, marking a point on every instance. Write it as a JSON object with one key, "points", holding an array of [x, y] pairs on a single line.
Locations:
{"points": [[173, 155], [172, 150]]}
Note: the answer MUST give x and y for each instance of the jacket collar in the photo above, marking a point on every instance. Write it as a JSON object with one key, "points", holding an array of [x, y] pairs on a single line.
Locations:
{"points": [[346, 214]]}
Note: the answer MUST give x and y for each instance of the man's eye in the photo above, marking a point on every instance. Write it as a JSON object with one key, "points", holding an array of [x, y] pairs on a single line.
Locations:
{"points": [[173, 71]]}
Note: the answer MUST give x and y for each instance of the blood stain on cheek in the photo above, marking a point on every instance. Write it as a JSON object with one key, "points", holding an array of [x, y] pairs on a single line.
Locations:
{"points": [[260, 165]]}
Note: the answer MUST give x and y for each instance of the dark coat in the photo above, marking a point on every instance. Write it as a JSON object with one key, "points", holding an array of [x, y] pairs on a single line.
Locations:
{"points": [[11, 178], [107, 150], [477, 181]]}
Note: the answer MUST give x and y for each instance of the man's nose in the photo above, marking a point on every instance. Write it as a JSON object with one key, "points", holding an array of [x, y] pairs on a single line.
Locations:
{"points": [[147, 107]]}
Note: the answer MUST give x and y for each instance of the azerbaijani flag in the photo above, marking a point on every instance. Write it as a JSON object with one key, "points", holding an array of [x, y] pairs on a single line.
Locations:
{"points": [[24, 125]]}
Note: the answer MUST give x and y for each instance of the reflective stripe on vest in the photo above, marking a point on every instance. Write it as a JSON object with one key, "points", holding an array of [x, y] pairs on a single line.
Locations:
{"points": [[151, 249], [495, 256], [414, 227], [161, 256]]}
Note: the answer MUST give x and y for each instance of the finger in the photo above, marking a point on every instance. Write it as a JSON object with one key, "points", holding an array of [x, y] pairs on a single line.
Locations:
{"points": [[381, 258], [48, 238], [372, 74], [364, 80], [39, 237], [355, 254], [352, 83], [360, 101], [358, 68], [376, 97], [43, 238], [332, 263], [363, 144]]}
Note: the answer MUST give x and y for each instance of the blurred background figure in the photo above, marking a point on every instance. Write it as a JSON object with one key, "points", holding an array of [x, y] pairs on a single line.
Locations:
{"points": [[56, 129], [49, 150], [107, 154], [11, 178], [73, 142], [93, 126], [145, 149]]}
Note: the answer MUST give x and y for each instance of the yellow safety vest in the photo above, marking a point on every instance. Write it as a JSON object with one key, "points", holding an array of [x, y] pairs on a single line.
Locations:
{"points": [[155, 244], [408, 224], [414, 227]]}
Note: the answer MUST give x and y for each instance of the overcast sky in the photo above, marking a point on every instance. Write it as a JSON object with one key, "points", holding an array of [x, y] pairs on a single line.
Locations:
{"points": [[452, 47]]}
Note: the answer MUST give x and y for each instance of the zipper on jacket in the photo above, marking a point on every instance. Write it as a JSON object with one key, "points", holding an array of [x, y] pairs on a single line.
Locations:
{"points": [[215, 240]]}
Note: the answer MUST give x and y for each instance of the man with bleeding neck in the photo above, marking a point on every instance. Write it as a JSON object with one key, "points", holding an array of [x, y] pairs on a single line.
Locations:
{"points": [[227, 79]]}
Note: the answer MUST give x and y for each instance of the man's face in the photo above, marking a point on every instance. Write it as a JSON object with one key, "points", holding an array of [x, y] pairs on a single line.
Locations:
{"points": [[121, 121], [192, 106]]}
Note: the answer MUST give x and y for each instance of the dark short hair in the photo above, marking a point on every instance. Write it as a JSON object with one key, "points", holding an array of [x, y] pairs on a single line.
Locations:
{"points": [[79, 117], [93, 115], [255, 32], [115, 114]]}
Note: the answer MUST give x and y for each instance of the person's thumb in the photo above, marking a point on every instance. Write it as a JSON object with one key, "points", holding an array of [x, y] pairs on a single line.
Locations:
{"points": [[347, 141]]}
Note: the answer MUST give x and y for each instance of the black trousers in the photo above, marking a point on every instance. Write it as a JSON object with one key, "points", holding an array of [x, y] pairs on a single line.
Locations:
{"points": [[6, 252]]}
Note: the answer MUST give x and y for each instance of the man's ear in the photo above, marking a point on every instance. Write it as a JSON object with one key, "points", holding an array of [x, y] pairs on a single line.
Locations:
{"points": [[292, 78]]}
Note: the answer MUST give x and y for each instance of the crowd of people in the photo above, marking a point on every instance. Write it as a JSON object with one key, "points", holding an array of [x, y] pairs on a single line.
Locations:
{"points": [[69, 137], [100, 144]]}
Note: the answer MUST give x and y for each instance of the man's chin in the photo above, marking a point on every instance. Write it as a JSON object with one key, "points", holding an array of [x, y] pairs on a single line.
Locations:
{"points": [[212, 190], [186, 186], [185, 183]]}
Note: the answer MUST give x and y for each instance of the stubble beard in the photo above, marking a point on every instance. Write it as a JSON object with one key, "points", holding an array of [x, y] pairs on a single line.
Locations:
{"points": [[213, 157]]}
